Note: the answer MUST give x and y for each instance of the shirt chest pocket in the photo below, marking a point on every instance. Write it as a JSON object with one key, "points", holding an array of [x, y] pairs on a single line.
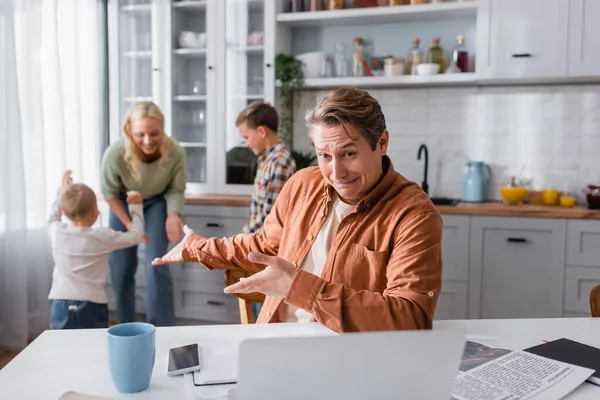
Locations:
{"points": [[365, 269], [261, 183]]}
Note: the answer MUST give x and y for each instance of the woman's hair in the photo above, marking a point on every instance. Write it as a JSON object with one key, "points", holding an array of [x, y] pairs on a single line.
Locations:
{"points": [[134, 156]]}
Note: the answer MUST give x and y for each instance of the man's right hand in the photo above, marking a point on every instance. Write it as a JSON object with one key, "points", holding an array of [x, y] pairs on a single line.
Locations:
{"points": [[176, 253]]}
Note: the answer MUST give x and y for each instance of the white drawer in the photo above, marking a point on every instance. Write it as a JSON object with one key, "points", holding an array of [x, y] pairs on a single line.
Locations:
{"points": [[579, 281], [215, 226], [583, 243], [196, 272], [192, 303]]}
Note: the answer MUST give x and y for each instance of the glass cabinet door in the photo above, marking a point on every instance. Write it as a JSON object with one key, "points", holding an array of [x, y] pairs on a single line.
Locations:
{"points": [[244, 83], [190, 84], [135, 48]]}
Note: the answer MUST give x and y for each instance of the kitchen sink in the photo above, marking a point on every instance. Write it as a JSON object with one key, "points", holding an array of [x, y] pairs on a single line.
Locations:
{"points": [[444, 201]]}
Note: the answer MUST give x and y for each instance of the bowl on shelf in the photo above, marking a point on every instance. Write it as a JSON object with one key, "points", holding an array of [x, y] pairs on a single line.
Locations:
{"points": [[312, 63], [428, 69]]}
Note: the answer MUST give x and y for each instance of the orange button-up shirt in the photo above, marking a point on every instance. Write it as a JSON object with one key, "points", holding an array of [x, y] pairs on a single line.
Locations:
{"points": [[384, 267]]}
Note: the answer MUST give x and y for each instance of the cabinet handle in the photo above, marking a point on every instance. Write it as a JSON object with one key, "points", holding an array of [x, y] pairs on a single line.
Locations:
{"points": [[522, 55], [268, 65], [213, 225], [215, 303], [210, 67], [516, 240]]}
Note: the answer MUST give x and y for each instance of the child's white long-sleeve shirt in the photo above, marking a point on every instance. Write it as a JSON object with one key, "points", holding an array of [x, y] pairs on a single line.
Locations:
{"points": [[81, 255]]}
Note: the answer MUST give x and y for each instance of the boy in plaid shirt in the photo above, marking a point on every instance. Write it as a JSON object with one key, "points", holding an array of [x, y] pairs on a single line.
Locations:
{"points": [[258, 126]]}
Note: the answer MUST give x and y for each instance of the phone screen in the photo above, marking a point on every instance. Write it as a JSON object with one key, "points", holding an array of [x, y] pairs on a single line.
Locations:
{"points": [[183, 357]]}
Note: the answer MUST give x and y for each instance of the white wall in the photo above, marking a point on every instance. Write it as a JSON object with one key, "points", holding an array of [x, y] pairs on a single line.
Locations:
{"points": [[552, 132]]}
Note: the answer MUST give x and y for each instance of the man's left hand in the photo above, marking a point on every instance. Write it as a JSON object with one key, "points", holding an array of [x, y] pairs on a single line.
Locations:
{"points": [[275, 280]]}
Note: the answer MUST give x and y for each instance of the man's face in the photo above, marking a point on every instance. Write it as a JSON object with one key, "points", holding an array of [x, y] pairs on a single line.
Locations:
{"points": [[254, 138], [347, 160]]}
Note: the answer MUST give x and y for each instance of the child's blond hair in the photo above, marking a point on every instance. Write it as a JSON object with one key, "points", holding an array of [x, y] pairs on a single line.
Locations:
{"points": [[78, 202]]}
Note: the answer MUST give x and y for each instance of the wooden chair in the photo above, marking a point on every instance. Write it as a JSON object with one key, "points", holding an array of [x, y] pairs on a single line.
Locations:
{"points": [[595, 301], [245, 300]]}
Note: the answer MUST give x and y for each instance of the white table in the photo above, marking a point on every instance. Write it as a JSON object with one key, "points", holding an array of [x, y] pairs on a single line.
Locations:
{"points": [[60, 361]]}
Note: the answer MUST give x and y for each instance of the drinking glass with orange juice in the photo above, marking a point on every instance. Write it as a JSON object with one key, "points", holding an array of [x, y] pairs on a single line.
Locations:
{"points": [[550, 196], [567, 197]]}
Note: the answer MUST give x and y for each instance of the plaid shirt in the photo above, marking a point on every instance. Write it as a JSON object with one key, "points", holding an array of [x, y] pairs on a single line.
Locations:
{"points": [[275, 167]]}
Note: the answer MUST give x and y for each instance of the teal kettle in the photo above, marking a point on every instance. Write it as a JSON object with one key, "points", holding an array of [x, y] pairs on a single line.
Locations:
{"points": [[476, 181]]}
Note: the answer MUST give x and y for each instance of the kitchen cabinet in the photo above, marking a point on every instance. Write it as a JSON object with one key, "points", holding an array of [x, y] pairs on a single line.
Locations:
{"points": [[198, 292], [452, 303], [582, 271], [584, 30], [516, 267], [201, 62], [522, 39]]}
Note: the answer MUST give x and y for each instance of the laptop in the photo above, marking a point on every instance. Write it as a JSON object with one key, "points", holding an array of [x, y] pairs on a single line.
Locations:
{"points": [[376, 365]]}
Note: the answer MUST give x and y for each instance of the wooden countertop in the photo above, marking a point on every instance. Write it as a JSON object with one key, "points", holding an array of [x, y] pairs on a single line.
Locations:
{"points": [[489, 208], [523, 210], [217, 200]]}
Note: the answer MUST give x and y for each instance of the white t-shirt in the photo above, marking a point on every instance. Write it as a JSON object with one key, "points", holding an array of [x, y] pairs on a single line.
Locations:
{"points": [[81, 255], [317, 255]]}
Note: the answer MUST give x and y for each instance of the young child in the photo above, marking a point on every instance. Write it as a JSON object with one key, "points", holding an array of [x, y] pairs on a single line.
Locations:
{"points": [[81, 255]]}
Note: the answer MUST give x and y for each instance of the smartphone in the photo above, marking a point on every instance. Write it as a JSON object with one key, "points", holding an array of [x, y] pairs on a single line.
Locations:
{"points": [[184, 359]]}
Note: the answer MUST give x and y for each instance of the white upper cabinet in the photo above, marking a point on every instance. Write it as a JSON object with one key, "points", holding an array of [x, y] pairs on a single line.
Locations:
{"points": [[584, 31], [524, 39]]}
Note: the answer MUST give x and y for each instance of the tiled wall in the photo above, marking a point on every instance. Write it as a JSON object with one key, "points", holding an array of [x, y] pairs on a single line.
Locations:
{"points": [[546, 133]]}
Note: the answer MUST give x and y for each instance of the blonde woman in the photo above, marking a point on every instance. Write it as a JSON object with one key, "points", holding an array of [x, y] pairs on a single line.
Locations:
{"points": [[148, 161]]}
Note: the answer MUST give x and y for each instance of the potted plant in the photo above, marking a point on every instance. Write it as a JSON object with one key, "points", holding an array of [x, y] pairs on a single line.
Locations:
{"points": [[303, 159], [289, 78]]}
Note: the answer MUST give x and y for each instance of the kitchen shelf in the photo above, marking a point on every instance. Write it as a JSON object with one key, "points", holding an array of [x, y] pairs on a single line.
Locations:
{"points": [[392, 81], [137, 8], [248, 96], [137, 99], [138, 53], [187, 4], [192, 53], [191, 97], [379, 15], [192, 144], [248, 49]]}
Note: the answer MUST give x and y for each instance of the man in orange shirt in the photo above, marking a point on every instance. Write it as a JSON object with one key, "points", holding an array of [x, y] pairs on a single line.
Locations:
{"points": [[350, 243]]}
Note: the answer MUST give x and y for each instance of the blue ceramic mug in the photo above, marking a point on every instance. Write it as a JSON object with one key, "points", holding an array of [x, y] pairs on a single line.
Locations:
{"points": [[131, 353]]}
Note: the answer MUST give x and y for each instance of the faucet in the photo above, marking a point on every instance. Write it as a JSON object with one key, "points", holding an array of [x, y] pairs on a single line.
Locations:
{"points": [[424, 185]]}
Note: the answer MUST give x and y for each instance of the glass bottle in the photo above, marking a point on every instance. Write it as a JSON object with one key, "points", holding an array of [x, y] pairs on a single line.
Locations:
{"points": [[460, 56], [315, 5], [414, 57], [357, 66], [436, 54], [335, 4], [296, 5], [341, 66]]}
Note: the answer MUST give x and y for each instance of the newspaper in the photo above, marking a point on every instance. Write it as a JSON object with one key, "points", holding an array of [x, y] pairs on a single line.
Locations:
{"points": [[499, 374]]}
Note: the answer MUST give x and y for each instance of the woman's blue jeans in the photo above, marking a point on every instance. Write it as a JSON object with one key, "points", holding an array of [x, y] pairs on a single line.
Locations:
{"points": [[123, 265]]}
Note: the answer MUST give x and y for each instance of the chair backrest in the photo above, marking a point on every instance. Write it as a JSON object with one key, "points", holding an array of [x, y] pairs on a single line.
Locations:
{"points": [[595, 301], [245, 300]]}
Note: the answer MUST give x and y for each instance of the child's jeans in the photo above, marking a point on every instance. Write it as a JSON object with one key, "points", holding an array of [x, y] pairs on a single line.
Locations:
{"points": [[73, 314]]}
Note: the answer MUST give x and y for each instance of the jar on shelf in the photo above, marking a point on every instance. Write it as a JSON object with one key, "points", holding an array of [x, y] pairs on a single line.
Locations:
{"points": [[336, 4], [296, 5], [393, 66], [315, 5]]}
